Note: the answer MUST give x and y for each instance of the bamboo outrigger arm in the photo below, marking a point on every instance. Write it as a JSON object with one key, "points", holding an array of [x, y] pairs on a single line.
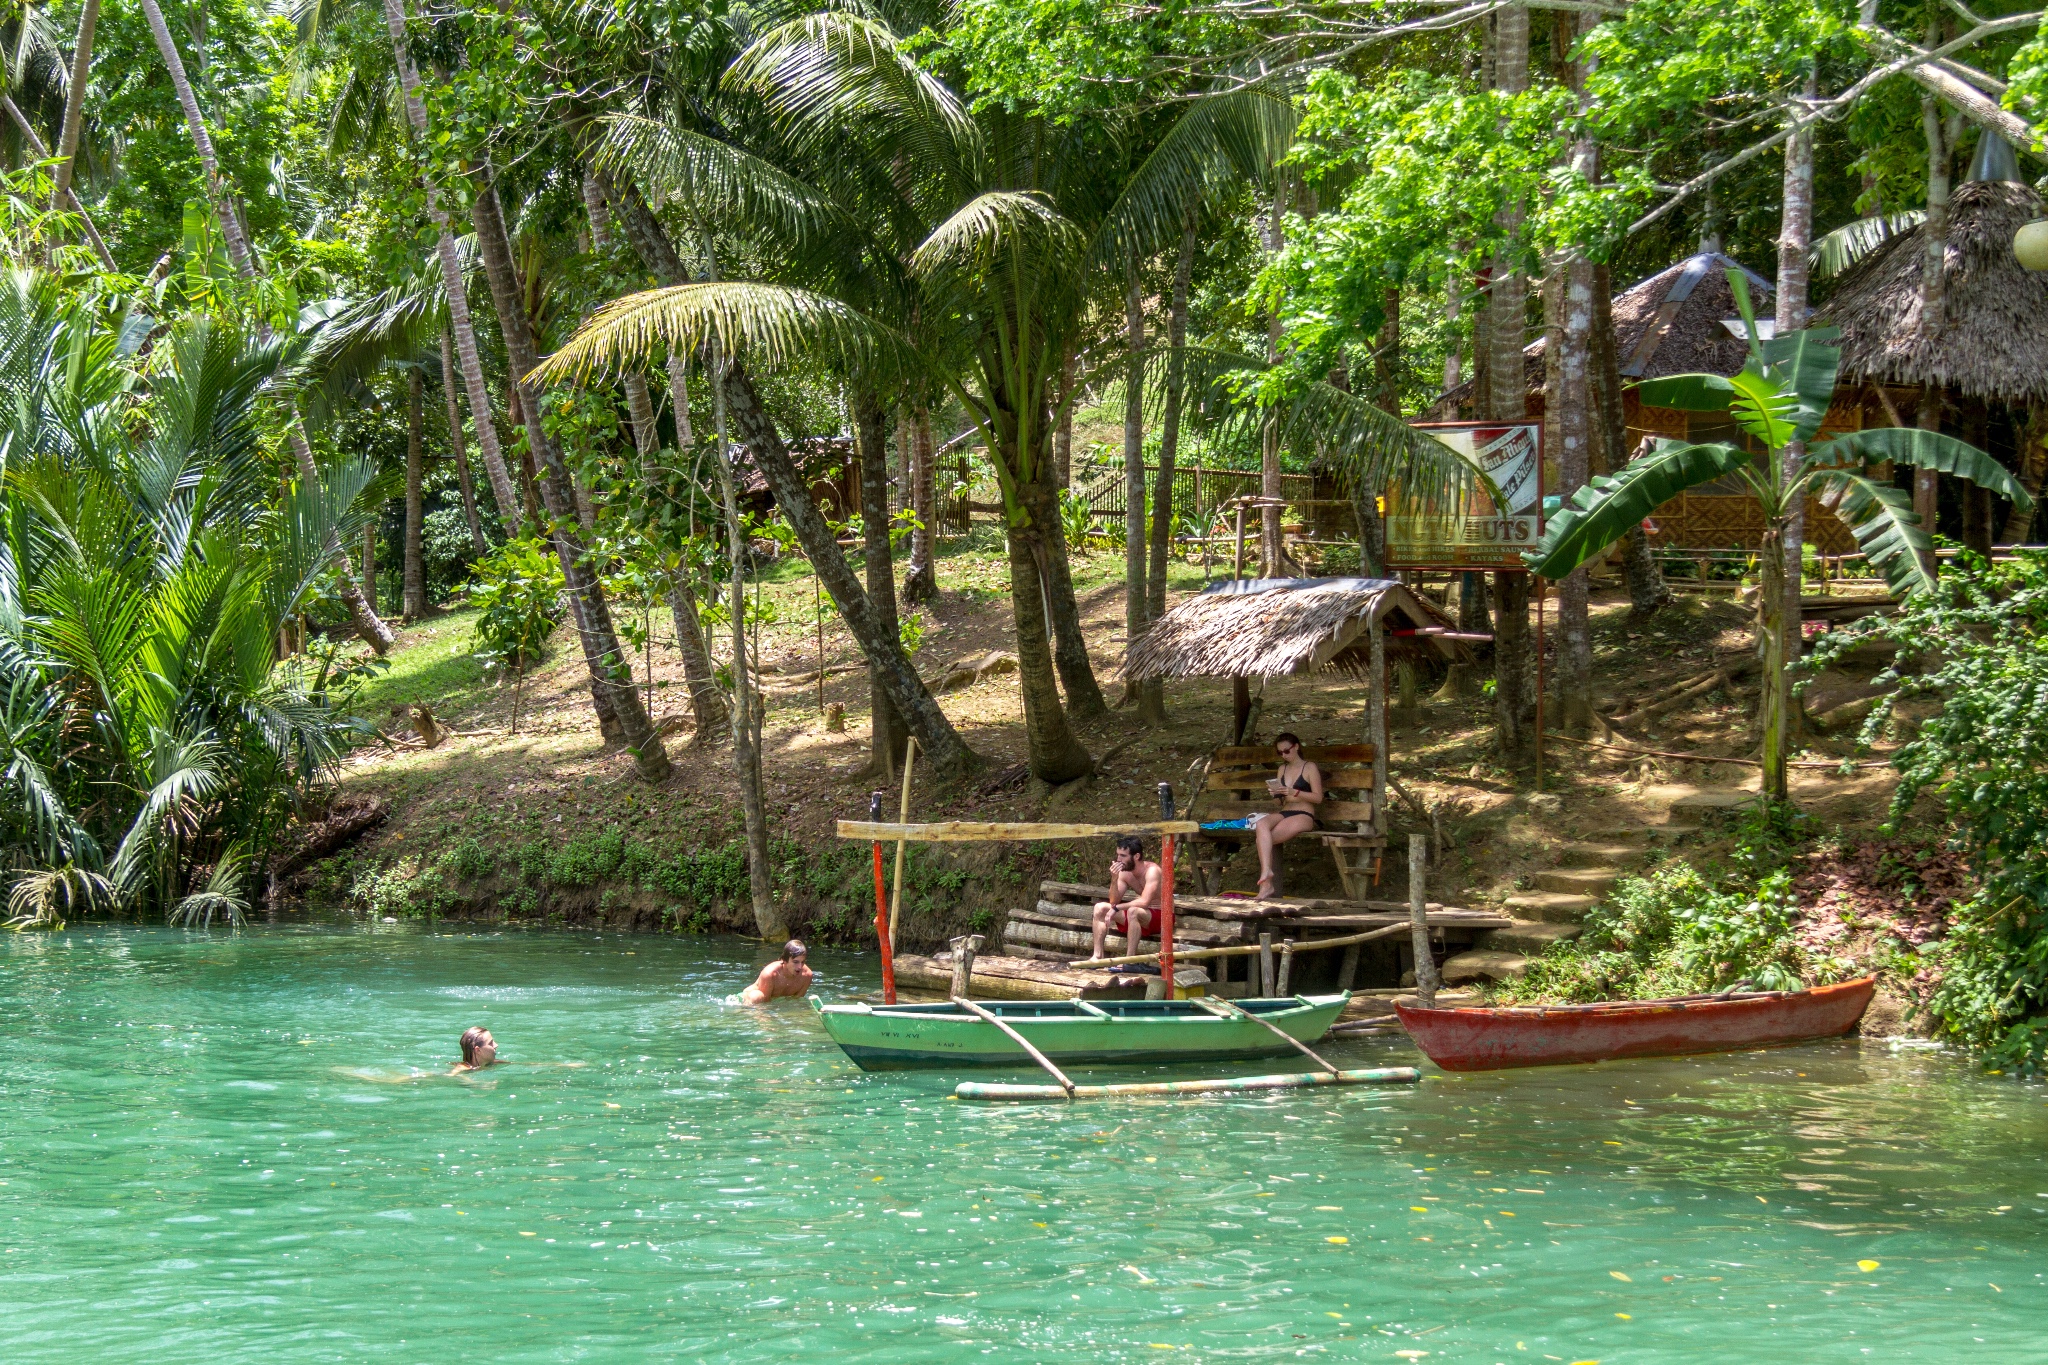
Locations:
{"points": [[992, 831]]}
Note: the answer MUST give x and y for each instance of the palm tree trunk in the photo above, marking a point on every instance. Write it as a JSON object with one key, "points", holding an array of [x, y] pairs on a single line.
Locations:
{"points": [[1152, 693], [1933, 290], [1795, 239], [886, 728], [1055, 756], [609, 679], [700, 676], [746, 718], [1573, 400], [1135, 546], [1647, 590], [921, 583], [414, 603], [478, 542], [74, 104], [362, 610], [1070, 643], [453, 286], [1272, 555], [733, 391], [1063, 430], [1508, 402], [370, 562]]}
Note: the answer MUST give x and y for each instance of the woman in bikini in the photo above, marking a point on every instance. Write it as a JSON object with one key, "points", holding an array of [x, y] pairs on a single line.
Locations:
{"points": [[1299, 787]]}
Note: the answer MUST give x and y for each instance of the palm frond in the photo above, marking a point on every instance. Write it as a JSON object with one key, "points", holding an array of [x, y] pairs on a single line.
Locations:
{"points": [[771, 324], [1220, 143], [223, 894], [724, 185], [1833, 252], [829, 78], [184, 770], [46, 899]]}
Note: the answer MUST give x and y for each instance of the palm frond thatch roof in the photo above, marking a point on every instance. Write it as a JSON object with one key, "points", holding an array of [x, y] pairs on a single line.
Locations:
{"points": [[1993, 339], [1272, 627]]}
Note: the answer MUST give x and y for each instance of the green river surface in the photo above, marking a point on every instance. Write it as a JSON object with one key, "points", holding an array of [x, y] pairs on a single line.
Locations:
{"points": [[196, 1165]]}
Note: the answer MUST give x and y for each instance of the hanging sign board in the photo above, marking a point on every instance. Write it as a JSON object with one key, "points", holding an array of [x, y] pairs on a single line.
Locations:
{"points": [[1471, 529]]}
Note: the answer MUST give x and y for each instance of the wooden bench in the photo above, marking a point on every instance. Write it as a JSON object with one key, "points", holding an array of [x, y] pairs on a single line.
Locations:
{"points": [[1236, 788]]}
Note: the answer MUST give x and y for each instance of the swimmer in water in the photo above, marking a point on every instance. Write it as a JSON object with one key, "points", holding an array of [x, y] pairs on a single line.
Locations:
{"points": [[479, 1050], [788, 975]]}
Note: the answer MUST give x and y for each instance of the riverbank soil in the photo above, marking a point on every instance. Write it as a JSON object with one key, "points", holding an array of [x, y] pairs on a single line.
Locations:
{"points": [[542, 823]]}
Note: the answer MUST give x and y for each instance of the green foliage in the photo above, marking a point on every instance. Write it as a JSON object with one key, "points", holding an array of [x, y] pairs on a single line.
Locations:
{"points": [[518, 593], [1978, 645], [1674, 933]]}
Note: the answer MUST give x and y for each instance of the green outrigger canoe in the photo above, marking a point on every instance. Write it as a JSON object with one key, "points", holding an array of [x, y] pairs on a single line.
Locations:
{"points": [[1105, 1032]]}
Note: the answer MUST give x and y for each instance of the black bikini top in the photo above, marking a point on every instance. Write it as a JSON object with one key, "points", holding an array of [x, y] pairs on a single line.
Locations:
{"points": [[1301, 782]]}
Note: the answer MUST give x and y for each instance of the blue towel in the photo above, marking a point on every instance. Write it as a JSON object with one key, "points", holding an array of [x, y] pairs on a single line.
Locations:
{"points": [[1226, 824]]}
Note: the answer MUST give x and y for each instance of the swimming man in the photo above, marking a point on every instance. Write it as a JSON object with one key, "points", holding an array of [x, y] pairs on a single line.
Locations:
{"points": [[788, 975]]}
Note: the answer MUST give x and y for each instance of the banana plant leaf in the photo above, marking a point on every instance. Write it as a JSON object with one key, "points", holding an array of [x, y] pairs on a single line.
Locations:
{"points": [[1882, 520], [1603, 511], [1926, 450], [1805, 364]]}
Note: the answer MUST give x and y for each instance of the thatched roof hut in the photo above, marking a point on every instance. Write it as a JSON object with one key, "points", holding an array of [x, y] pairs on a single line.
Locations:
{"points": [[1992, 343], [1670, 323], [1273, 627]]}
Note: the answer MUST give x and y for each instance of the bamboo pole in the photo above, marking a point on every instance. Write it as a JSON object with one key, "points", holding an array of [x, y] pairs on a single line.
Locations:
{"points": [[896, 897], [1166, 842], [1265, 964], [989, 1017], [965, 948], [1377, 700], [984, 1090], [1418, 919], [995, 831], [1286, 973], [1225, 1009], [882, 912]]}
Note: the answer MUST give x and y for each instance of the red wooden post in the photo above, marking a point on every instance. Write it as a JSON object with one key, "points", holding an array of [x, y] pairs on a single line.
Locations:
{"points": [[882, 909], [1166, 892]]}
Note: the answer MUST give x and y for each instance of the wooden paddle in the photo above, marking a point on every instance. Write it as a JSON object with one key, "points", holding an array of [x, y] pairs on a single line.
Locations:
{"points": [[1224, 1009], [1019, 1039]]}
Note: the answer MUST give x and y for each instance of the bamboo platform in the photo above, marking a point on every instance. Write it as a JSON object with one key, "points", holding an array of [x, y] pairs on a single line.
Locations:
{"points": [[1022, 978]]}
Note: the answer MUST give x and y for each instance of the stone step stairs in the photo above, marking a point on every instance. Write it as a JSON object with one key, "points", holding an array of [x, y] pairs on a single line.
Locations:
{"points": [[1552, 911]]}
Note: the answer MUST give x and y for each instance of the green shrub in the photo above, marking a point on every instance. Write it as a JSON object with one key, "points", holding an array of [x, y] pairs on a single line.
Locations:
{"points": [[1984, 757], [518, 588], [1674, 933]]}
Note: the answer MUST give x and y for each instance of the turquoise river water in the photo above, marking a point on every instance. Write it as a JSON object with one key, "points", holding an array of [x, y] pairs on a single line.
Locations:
{"points": [[207, 1153]]}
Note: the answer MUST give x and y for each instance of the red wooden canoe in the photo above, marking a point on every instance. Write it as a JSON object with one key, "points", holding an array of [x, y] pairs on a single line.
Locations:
{"points": [[1546, 1035]]}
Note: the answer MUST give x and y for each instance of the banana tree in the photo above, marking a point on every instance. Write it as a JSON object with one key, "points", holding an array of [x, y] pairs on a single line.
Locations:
{"points": [[1780, 396]]}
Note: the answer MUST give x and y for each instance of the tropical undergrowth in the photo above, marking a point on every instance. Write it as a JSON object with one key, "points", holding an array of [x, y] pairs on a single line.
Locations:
{"points": [[606, 872], [153, 743], [1977, 648], [1693, 927]]}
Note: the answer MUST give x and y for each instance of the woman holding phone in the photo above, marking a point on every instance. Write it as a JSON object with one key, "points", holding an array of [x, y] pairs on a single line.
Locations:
{"points": [[1299, 789]]}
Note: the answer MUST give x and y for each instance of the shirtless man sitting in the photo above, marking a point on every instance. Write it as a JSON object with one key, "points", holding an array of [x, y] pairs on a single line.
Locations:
{"points": [[1133, 902], [786, 976]]}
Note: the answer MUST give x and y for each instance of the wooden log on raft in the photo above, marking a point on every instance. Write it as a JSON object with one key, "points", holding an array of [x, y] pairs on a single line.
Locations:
{"points": [[1009, 977], [1079, 942]]}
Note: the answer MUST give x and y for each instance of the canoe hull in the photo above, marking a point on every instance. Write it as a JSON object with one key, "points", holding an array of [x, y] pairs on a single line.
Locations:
{"points": [[923, 1037], [1495, 1039]]}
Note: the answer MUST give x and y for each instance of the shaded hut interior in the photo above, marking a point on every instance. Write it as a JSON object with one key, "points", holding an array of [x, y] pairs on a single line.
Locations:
{"points": [[1983, 363]]}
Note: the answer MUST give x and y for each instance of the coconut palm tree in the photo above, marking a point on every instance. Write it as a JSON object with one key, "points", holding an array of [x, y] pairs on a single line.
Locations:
{"points": [[922, 239], [1779, 399]]}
